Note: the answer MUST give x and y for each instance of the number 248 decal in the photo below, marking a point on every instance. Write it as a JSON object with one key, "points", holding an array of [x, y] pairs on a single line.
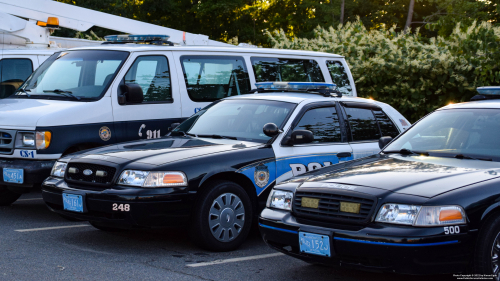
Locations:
{"points": [[451, 229], [121, 207]]}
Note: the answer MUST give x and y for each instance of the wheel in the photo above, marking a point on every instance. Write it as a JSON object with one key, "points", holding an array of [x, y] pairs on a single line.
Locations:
{"points": [[7, 197], [106, 228], [222, 218], [487, 254]]}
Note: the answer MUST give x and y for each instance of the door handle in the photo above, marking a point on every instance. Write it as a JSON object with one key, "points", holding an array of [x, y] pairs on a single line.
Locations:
{"points": [[343, 154]]}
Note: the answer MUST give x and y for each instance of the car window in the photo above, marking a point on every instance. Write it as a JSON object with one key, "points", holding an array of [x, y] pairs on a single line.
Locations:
{"points": [[209, 78], [339, 77], [323, 122], [287, 70], [363, 124], [387, 127], [152, 74], [13, 72]]}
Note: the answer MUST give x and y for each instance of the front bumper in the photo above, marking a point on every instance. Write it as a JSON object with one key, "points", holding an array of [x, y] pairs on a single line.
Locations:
{"points": [[376, 247], [149, 208], [35, 172]]}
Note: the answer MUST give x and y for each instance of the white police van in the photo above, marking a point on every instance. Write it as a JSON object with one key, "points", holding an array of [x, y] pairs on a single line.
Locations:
{"points": [[88, 97]]}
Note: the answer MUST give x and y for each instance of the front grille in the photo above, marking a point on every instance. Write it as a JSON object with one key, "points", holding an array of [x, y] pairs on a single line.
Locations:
{"points": [[329, 208], [6, 141], [80, 177]]}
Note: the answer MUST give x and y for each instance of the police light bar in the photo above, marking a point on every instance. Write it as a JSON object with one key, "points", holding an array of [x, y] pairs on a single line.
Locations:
{"points": [[295, 86], [120, 39], [489, 91]]}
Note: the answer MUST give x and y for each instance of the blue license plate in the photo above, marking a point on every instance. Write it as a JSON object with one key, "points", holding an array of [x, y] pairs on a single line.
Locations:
{"points": [[13, 175], [73, 202], [315, 244]]}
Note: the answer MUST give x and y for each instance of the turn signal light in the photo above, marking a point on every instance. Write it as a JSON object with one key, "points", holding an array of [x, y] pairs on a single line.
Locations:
{"points": [[450, 215], [173, 179], [43, 140]]}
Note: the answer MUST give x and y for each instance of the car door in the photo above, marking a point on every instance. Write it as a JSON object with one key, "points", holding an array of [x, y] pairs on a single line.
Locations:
{"points": [[161, 106], [365, 124], [329, 146]]}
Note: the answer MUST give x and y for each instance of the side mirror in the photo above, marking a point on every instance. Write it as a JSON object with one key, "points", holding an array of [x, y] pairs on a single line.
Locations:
{"points": [[173, 126], [301, 137], [271, 130], [131, 93], [383, 141]]}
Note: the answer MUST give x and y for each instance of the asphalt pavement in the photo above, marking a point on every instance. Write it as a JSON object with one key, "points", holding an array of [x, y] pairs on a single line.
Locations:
{"points": [[36, 244]]}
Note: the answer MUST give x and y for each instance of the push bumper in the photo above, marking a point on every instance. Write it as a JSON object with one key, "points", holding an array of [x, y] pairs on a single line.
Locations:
{"points": [[377, 247], [148, 208], [35, 172]]}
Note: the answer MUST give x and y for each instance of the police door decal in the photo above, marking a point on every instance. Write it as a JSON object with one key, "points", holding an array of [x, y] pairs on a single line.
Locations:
{"points": [[262, 174], [288, 167]]}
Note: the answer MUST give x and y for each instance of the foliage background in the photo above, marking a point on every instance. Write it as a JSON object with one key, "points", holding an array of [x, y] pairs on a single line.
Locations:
{"points": [[451, 49]]}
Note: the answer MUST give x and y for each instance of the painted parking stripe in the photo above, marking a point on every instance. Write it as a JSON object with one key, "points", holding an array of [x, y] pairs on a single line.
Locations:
{"points": [[52, 228], [235, 260]]}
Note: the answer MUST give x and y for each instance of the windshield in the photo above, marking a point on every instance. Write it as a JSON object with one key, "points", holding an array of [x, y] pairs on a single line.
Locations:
{"points": [[75, 75], [240, 119], [460, 133]]}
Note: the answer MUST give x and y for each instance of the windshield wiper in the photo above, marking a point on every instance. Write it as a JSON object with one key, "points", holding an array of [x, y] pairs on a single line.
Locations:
{"points": [[217, 137], [66, 93], [461, 156], [25, 92], [405, 151]]}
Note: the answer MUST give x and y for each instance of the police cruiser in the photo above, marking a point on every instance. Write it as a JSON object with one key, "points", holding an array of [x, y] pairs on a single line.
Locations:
{"points": [[120, 91], [427, 203], [214, 171]]}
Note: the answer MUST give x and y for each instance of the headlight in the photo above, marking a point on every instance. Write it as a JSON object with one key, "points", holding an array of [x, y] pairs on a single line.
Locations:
{"points": [[420, 215], [59, 169], [280, 200], [152, 179], [38, 140]]}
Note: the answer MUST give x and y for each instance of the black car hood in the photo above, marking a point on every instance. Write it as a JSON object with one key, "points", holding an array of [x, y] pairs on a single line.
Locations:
{"points": [[414, 175], [161, 151]]}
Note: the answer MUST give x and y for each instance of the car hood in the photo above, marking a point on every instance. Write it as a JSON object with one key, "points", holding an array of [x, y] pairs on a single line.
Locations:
{"points": [[161, 151], [414, 175], [24, 113]]}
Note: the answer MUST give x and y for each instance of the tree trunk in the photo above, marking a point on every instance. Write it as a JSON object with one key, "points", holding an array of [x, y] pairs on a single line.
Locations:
{"points": [[342, 12], [410, 16]]}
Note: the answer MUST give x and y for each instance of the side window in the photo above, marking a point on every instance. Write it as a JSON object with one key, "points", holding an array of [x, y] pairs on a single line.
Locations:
{"points": [[323, 122], [339, 77], [291, 70], [386, 126], [153, 75], [209, 78], [13, 72], [363, 124]]}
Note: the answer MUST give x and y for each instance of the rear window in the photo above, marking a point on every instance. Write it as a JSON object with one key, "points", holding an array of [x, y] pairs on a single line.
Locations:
{"points": [[13, 72], [287, 70], [209, 78]]}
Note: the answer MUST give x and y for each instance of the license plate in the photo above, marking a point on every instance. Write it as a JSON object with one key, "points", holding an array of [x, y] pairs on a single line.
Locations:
{"points": [[310, 202], [315, 244], [73, 202], [347, 207], [13, 175]]}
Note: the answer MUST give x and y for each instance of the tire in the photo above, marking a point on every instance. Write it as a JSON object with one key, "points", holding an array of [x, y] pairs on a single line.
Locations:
{"points": [[7, 197], [222, 217], [487, 252], [106, 228]]}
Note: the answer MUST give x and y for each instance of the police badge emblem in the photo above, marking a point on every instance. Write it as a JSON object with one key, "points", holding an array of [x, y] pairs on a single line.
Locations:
{"points": [[261, 175], [105, 133]]}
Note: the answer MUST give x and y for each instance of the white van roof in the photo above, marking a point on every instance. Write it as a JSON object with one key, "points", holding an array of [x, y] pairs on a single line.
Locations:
{"points": [[235, 49]]}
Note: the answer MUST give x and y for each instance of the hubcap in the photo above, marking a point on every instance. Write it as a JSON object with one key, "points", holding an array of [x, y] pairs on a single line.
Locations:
{"points": [[495, 261], [227, 217]]}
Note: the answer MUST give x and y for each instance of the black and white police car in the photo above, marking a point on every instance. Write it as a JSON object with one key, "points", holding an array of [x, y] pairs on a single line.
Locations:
{"points": [[89, 97], [428, 203], [214, 171]]}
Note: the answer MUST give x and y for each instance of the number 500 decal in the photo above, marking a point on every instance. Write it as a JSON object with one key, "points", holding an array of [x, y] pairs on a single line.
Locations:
{"points": [[451, 229]]}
